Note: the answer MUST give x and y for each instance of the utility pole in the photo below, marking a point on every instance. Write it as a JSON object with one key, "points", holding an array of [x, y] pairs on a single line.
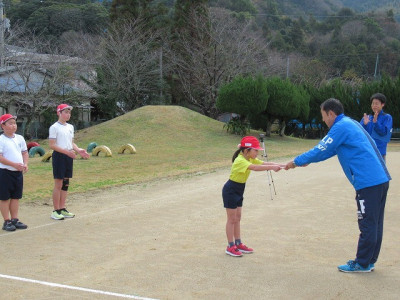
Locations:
{"points": [[287, 66], [376, 65], [2, 48], [161, 73]]}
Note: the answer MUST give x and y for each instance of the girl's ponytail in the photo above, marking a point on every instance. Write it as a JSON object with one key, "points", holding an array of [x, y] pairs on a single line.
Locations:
{"points": [[236, 154]]}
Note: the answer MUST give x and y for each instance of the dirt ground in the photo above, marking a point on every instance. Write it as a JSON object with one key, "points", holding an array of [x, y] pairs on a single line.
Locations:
{"points": [[166, 240]]}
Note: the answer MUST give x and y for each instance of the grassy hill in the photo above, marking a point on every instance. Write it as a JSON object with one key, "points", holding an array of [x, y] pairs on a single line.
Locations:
{"points": [[170, 141]]}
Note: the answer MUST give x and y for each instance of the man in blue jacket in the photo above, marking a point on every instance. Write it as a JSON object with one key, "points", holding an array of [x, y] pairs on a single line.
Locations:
{"points": [[366, 171], [379, 125]]}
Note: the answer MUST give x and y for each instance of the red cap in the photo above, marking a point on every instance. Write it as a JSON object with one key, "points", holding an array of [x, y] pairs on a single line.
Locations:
{"points": [[61, 107], [250, 142], [6, 117]]}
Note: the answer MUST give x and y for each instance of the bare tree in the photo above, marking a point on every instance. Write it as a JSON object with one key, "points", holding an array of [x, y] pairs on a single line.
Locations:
{"points": [[129, 66], [218, 50], [83, 45], [33, 82]]}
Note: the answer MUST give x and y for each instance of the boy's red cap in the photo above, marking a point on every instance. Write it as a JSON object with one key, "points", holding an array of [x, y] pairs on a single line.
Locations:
{"points": [[61, 107], [6, 117], [250, 142]]}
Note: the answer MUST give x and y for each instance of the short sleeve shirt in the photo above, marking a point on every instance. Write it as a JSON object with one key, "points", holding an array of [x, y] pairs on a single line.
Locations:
{"points": [[240, 168], [12, 149], [63, 134]]}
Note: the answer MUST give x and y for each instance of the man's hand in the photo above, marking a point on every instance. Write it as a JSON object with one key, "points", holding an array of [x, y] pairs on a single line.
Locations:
{"points": [[83, 153], [290, 165]]}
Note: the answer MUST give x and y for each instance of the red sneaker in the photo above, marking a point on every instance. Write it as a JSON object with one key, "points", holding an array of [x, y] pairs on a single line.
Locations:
{"points": [[233, 251], [243, 248]]}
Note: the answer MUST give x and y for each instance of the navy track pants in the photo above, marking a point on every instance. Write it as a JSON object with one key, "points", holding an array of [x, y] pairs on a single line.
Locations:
{"points": [[371, 209]]}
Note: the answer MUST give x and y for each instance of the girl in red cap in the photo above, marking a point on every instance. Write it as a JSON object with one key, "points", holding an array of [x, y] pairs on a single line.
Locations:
{"points": [[244, 160]]}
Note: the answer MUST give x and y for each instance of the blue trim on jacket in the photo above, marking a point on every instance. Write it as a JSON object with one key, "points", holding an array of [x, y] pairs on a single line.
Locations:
{"points": [[357, 153]]}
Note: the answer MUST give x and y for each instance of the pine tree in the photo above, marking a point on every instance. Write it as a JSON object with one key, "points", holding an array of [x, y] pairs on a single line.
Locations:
{"points": [[183, 10], [128, 9]]}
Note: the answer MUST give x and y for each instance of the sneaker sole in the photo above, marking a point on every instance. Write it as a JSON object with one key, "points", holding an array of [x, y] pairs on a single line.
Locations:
{"points": [[245, 251], [8, 229], [54, 218], [234, 255], [69, 216], [356, 271]]}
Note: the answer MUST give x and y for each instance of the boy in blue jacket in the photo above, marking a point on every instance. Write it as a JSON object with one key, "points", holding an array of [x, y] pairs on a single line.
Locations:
{"points": [[379, 125], [366, 171]]}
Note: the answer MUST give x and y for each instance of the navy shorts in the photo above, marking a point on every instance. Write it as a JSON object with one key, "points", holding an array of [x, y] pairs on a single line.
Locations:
{"points": [[232, 194], [62, 165], [12, 184]]}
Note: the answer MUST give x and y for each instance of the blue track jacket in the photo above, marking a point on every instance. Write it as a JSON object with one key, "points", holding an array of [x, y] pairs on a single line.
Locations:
{"points": [[381, 131], [357, 153]]}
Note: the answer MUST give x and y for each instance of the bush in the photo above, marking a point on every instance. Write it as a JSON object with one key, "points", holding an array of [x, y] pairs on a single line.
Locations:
{"points": [[237, 126]]}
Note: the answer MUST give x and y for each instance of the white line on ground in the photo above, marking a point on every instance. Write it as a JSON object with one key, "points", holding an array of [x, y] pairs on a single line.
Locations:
{"points": [[75, 288]]}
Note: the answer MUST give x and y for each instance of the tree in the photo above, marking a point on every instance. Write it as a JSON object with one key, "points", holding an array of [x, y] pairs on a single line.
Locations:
{"points": [[37, 82], [314, 119], [185, 8], [219, 50], [282, 104], [128, 68], [246, 96], [127, 10], [52, 18], [154, 15]]}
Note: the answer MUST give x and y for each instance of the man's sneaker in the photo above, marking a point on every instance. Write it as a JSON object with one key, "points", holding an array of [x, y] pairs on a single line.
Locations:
{"points": [[233, 251], [8, 226], [244, 249], [66, 214], [372, 266], [354, 267], [18, 224], [56, 216]]}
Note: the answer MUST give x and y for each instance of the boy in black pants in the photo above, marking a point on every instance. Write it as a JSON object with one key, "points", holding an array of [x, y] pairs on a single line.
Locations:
{"points": [[13, 163]]}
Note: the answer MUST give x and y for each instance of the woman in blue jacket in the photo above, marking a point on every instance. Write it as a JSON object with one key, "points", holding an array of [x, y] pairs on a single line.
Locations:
{"points": [[379, 125], [366, 171]]}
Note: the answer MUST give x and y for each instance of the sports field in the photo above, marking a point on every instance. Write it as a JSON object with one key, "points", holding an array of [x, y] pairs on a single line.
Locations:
{"points": [[166, 240]]}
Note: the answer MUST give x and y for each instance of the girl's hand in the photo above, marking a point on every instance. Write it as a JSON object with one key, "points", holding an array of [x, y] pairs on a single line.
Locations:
{"points": [[276, 168], [366, 119], [375, 117]]}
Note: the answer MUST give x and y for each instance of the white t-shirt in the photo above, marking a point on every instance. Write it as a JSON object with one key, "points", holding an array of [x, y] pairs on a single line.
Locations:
{"points": [[11, 149], [63, 134]]}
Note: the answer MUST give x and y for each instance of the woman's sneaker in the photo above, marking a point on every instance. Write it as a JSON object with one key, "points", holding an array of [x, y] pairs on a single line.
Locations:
{"points": [[243, 248], [8, 226], [18, 224], [66, 214], [56, 216], [233, 251]]}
